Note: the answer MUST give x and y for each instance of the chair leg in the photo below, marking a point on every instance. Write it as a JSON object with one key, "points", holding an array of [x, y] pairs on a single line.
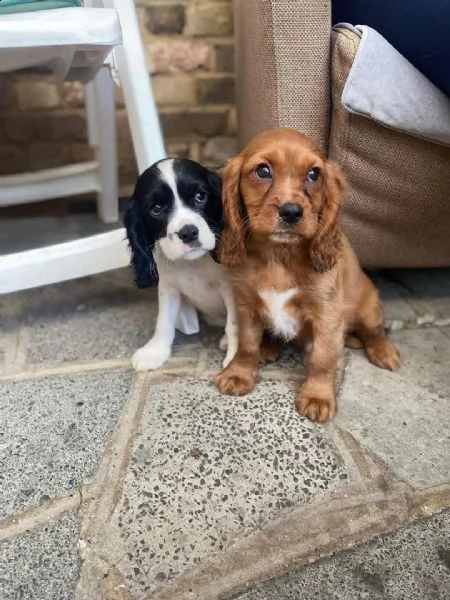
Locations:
{"points": [[140, 104], [100, 105]]}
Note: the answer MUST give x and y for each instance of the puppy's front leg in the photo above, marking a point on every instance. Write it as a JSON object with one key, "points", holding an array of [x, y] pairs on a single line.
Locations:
{"points": [[239, 377], [155, 352], [231, 326], [317, 397]]}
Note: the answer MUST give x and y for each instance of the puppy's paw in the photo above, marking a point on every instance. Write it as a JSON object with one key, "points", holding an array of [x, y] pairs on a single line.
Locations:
{"points": [[316, 409], [226, 361], [235, 381], [150, 357], [383, 354], [223, 344]]}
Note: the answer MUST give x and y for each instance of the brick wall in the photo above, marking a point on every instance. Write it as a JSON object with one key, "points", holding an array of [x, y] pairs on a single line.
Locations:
{"points": [[189, 49]]}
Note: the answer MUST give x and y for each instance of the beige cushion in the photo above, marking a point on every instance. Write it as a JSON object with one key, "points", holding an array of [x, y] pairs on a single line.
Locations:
{"points": [[397, 210], [282, 66]]}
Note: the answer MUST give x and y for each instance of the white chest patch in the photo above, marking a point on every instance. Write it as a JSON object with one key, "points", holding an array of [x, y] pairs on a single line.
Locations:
{"points": [[281, 322]]}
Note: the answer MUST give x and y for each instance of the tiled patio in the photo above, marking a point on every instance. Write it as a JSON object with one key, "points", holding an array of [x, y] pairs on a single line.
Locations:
{"points": [[117, 487]]}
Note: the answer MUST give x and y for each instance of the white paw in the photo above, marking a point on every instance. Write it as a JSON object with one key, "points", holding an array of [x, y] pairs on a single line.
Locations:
{"points": [[150, 357], [223, 344]]}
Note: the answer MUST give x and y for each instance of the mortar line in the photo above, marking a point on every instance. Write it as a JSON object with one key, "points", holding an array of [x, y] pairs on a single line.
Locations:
{"points": [[103, 488], [378, 472], [212, 581], [68, 369], [30, 519]]}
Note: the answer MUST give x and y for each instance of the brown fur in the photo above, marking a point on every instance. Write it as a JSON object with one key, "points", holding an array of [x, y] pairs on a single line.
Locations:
{"points": [[335, 297]]}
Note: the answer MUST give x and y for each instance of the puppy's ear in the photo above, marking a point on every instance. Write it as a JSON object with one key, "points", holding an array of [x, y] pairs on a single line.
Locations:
{"points": [[214, 209], [231, 250], [141, 244], [215, 183], [326, 246]]}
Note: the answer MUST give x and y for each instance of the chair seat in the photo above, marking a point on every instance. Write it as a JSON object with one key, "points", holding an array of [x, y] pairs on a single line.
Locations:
{"points": [[71, 42], [21, 6]]}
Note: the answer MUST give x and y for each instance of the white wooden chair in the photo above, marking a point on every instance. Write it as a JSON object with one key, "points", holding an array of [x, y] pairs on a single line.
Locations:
{"points": [[95, 43]]}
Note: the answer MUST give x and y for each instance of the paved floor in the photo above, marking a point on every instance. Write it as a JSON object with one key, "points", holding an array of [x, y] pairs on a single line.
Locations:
{"points": [[122, 487]]}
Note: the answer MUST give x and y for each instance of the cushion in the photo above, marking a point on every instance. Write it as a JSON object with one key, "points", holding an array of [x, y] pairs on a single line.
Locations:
{"points": [[386, 87], [19, 6], [418, 29], [396, 212]]}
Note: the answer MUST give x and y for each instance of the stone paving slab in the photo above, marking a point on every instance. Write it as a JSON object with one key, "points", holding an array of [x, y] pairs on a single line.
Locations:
{"points": [[411, 564], [228, 471], [414, 297], [396, 299], [428, 289], [42, 564], [81, 321], [205, 469], [52, 434], [403, 417]]}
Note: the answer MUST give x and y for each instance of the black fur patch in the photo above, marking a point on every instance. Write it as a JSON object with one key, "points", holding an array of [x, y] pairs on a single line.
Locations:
{"points": [[144, 229]]}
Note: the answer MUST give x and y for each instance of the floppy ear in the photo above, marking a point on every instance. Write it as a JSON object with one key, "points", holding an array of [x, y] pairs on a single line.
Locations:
{"points": [[231, 250], [141, 244], [326, 246], [214, 209]]}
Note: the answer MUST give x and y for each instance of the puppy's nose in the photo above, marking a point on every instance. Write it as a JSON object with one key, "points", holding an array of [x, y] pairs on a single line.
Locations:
{"points": [[188, 234], [290, 213]]}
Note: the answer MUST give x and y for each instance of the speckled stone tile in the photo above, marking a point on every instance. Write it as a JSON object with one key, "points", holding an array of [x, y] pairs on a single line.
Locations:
{"points": [[52, 434], [42, 564], [89, 319], [403, 417], [86, 319], [411, 564], [206, 468]]}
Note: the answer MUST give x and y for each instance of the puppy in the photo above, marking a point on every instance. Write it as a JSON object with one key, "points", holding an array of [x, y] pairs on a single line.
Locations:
{"points": [[294, 272], [173, 221]]}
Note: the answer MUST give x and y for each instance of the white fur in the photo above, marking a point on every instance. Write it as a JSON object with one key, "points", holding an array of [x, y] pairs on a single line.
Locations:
{"points": [[171, 245], [282, 323], [189, 281]]}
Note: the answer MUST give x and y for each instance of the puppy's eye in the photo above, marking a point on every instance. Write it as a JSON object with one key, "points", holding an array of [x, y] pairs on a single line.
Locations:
{"points": [[156, 210], [263, 172], [200, 197], [313, 175]]}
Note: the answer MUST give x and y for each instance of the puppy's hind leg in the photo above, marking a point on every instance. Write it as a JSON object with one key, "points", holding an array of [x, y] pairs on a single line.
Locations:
{"points": [[187, 320], [369, 327]]}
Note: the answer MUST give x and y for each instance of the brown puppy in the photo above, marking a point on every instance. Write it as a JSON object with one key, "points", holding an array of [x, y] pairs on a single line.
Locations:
{"points": [[294, 272]]}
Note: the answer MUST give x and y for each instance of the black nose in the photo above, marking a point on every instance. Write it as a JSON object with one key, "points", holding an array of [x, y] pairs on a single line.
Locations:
{"points": [[290, 213], [188, 234]]}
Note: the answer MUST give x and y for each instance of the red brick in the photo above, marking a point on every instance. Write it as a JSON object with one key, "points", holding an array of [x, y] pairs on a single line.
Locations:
{"points": [[12, 160], [171, 55], [215, 90], [224, 58], [45, 155], [165, 18], [188, 124], [210, 19]]}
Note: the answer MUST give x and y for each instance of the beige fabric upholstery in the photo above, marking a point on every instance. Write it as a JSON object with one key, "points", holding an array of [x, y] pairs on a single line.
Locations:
{"points": [[283, 66], [397, 209], [397, 212]]}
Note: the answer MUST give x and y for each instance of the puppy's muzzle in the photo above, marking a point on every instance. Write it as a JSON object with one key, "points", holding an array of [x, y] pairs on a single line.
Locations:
{"points": [[290, 213], [188, 234]]}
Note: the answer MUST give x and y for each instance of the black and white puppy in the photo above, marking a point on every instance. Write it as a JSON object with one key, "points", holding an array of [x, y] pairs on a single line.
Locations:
{"points": [[173, 222]]}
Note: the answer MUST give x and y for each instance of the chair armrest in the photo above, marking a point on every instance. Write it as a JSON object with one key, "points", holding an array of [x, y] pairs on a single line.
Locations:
{"points": [[283, 66]]}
